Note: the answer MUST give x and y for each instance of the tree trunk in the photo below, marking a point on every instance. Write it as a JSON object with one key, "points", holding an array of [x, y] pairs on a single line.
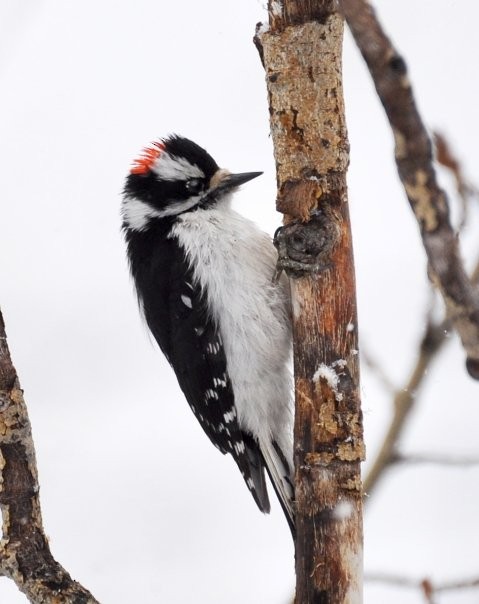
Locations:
{"points": [[301, 51]]}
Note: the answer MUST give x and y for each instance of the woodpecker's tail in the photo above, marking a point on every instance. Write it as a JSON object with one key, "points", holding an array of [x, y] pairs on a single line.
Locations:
{"points": [[281, 474], [253, 474]]}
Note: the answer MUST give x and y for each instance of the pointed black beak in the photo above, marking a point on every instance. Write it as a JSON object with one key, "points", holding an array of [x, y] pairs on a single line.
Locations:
{"points": [[231, 181]]}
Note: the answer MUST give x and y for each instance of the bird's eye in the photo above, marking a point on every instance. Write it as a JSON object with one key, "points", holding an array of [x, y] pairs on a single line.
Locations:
{"points": [[194, 185]]}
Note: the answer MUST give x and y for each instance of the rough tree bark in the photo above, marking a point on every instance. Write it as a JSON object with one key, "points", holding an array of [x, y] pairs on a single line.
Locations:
{"points": [[25, 554], [413, 151], [301, 52]]}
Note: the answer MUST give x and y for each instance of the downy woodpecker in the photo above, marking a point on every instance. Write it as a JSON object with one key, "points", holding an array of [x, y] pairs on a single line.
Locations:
{"points": [[203, 275]]}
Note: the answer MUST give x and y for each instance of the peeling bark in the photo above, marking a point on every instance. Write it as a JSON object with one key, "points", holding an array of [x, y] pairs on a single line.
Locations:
{"points": [[301, 52], [25, 554]]}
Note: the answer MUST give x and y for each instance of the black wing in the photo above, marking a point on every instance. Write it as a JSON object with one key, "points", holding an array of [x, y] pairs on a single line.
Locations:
{"points": [[176, 313]]}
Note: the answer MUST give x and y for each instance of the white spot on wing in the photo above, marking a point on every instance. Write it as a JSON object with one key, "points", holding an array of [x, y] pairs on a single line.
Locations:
{"points": [[219, 382], [239, 447], [211, 395], [213, 347], [187, 301], [229, 416]]}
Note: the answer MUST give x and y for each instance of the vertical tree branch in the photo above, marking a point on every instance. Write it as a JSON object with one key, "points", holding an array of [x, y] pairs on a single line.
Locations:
{"points": [[302, 52], [25, 554], [413, 151]]}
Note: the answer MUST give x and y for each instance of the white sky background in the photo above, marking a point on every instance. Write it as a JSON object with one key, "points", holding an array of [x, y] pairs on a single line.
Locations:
{"points": [[138, 505]]}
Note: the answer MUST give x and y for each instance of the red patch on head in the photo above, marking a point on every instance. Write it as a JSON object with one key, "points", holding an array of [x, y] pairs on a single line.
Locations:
{"points": [[148, 156]]}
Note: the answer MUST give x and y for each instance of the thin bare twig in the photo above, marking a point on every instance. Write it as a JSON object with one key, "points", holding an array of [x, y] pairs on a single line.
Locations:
{"points": [[413, 152], [425, 585], [404, 399], [25, 554], [434, 459], [446, 157], [434, 338], [378, 370]]}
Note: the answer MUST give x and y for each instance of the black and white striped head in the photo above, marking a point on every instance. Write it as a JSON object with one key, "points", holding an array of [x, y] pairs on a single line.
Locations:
{"points": [[171, 177]]}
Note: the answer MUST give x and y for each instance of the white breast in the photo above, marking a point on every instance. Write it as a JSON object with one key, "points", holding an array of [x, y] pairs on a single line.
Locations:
{"points": [[234, 262]]}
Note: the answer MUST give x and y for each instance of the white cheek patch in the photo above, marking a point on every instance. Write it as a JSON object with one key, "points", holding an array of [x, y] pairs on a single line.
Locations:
{"points": [[168, 167], [137, 214]]}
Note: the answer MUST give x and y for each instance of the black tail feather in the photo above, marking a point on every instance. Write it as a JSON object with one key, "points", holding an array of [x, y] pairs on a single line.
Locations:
{"points": [[288, 515], [256, 468]]}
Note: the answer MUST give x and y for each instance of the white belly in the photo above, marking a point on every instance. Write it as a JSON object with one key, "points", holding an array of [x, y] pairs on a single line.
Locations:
{"points": [[234, 262]]}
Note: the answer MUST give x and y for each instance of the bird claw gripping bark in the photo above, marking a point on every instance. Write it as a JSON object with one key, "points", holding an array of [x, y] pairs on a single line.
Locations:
{"points": [[305, 248]]}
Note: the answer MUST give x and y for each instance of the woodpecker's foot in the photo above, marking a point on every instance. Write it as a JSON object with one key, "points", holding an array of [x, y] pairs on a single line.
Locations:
{"points": [[305, 248]]}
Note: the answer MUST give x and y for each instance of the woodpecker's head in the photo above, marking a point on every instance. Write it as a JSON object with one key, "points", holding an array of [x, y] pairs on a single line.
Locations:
{"points": [[173, 176]]}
